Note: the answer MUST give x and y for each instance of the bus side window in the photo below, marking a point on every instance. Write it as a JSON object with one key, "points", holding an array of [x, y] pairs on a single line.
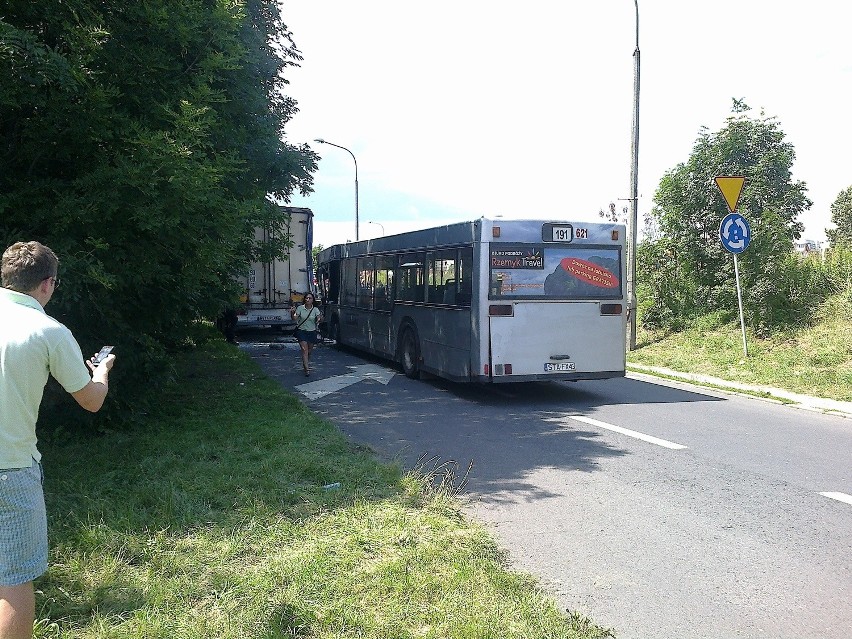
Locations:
{"points": [[366, 282], [334, 282], [384, 282], [442, 268], [348, 282], [410, 283], [321, 277], [465, 275]]}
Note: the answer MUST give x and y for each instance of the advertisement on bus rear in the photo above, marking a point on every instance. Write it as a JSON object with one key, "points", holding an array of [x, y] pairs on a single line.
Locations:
{"points": [[525, 271]]}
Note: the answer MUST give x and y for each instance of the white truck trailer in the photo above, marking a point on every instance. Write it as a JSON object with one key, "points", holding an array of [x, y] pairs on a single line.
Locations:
{"points": [[271, 287]]}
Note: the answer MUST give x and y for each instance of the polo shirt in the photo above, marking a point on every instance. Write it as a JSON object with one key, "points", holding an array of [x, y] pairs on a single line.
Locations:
{"points": [[33, 346], [306, 319]]}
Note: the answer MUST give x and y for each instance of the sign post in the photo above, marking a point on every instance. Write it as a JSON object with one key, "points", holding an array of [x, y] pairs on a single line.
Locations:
{"points": [[735, 234]]}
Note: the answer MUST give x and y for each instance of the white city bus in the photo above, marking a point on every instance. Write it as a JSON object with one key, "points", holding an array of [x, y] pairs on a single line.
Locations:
{"points": [[490, 300]]}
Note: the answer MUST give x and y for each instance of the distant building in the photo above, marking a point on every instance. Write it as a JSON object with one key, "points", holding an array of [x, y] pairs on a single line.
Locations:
{"points": [[807, 246]]}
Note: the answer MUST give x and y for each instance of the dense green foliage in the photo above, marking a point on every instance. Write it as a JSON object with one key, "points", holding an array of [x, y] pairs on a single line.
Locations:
{"points": [[841, 217], [142, 142], [790, 295], [686, 272]]}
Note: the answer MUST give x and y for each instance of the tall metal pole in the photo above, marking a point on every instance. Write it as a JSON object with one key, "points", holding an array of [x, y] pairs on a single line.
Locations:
{"points": [[740, 302], [357, 225], [634, 194]]}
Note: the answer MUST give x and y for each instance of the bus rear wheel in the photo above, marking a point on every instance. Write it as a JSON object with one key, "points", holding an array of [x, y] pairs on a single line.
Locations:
{"points": [[409, 355]]}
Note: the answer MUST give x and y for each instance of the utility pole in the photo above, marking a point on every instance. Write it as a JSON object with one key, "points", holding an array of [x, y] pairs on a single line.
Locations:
{"points": [[633, 227]]}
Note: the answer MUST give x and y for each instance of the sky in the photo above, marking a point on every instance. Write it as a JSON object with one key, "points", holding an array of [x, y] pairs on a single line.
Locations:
{"points": [[458, 109]]}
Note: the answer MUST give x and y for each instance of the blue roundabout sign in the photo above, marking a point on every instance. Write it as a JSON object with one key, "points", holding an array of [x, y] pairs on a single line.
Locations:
{"points": [[735, 233]]}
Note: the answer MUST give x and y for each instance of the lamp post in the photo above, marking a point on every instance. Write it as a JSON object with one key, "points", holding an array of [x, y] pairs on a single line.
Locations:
{"points": [[379, 224], [321, 141], [634, 193]]}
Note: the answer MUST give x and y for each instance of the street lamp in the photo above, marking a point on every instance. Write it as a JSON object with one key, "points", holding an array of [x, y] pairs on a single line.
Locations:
{"points": [[634, 193], [379, 224], [321, 141]]}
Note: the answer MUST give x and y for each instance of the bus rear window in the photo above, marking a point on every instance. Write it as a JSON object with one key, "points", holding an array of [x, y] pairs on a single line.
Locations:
{"points": [[536, 271]]}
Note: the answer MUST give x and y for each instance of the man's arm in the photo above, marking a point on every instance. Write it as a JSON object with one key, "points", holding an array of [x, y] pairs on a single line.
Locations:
{"points": [[92, 395]]}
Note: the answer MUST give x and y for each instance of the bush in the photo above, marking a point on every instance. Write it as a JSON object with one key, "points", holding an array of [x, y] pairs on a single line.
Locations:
{"points": [[837, 264], [666, 298], [788, 295], [788, 292]]}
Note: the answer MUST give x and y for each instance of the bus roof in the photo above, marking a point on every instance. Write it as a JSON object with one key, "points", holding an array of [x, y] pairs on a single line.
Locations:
{"points": [[459, 233], [452, 235]]}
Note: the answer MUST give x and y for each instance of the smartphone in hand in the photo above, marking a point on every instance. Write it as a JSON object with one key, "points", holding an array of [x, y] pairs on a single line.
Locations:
{"points": [[97, 359]]}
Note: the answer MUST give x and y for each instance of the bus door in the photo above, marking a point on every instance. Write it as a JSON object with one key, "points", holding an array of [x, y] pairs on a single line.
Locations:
{"points": [[555, 312]]}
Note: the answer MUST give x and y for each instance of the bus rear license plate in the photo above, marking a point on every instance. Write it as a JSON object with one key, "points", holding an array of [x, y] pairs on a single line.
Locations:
{"points": [[555, 368], [269, 318]]}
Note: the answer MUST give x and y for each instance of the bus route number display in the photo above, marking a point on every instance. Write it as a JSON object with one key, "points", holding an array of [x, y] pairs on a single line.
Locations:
{"points": [[557, 232]]}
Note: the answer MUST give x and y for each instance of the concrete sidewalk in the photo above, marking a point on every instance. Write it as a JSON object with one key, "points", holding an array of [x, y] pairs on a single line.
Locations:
{"points": [[833, 406]]}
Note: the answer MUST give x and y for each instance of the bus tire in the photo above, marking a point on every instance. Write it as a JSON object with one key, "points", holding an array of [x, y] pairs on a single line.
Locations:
{"points": [[409, 353]]}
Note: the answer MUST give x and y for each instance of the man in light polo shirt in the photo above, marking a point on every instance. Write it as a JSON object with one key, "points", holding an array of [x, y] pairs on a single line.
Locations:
{"points": [[32, 346]]}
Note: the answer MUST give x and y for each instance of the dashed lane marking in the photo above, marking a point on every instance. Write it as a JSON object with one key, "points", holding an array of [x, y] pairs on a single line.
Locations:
{"points": [[846, 499], [630, 433]]}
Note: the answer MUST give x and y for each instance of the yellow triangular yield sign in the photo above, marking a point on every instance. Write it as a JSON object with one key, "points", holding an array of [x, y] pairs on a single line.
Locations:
{"points": [[731, 186]]}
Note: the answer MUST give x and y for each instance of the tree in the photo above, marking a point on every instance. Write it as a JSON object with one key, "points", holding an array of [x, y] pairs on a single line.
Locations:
{"points": [[315, 251], [841, 217], [687, 269], [614, 216], [649, 224], [144, 142]]}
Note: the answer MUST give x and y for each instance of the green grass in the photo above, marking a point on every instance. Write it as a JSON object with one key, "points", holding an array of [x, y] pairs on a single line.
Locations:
{"points": [[212, 521], [814, 360]]}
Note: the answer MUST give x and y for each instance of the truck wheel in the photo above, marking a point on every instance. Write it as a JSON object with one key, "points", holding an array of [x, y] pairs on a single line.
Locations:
{"points": [[409, 355]]}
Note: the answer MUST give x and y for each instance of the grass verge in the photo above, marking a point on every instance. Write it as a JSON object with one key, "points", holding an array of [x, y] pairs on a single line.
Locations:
{"points": [[214, 521], [814, 360]]}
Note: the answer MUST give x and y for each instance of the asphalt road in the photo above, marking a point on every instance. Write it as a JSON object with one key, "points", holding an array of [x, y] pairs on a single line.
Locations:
{"points": [[659, 509]]}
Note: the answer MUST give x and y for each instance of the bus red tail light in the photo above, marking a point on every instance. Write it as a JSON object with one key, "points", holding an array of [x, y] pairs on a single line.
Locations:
{"points": [[611, 309], [501, 310]]}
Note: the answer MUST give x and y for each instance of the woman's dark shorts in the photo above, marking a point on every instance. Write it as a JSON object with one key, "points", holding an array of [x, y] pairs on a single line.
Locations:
{"points": [[310, 337]]}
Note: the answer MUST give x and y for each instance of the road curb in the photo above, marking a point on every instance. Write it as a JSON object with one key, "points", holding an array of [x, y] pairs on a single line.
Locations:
{"points": [[805, 401]]}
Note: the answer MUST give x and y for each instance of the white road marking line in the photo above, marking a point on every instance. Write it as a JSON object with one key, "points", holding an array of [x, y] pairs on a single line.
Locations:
{"points": [[628, 432], [846, 499], [322, 387]]}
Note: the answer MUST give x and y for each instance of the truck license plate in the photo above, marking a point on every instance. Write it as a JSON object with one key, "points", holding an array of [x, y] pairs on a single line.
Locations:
{"points": [[555, 368]]}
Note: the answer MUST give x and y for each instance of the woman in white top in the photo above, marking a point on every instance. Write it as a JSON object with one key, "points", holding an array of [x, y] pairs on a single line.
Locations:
{"points": [[307, 318]]}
